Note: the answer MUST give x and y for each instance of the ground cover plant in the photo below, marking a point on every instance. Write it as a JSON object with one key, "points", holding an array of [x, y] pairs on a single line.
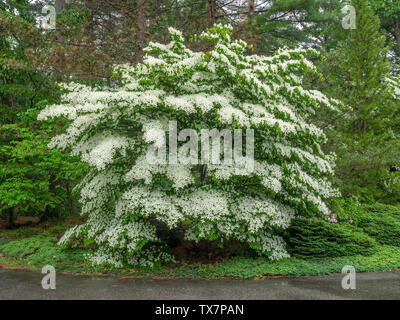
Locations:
{"points": [[33, 248]]}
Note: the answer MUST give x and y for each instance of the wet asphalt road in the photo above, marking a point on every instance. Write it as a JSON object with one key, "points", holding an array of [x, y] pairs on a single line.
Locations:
{"points": [[24, 284]]}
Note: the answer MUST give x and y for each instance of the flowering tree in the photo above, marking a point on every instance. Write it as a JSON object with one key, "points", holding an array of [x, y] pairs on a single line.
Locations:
{"points": [[126, 197]]}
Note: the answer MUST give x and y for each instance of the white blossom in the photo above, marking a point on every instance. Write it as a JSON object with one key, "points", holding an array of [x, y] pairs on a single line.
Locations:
{"points": [[126, 197]]}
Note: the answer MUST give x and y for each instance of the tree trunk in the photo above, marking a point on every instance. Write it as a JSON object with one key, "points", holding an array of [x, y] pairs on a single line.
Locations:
{"points": [[10, 218], [69, 199], [250, 13], [203, 173], [397, 32], [212, 12], [49, 211], [178, 11], [60, 4], [141, 32]]}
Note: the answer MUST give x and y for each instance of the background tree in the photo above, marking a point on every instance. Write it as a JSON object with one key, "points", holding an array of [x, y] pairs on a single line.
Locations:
{"points": [[389, 14], [365, 136], [312, 23], [92, 36], [33, 179]]}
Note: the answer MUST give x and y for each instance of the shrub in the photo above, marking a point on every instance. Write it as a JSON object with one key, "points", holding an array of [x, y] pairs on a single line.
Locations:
{"points": [[382, 209], [126, 196], [382, 222], [33, 179], [319, 238]]}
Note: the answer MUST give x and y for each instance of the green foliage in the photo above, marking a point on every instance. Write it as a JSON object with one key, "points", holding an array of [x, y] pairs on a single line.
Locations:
{"points": [[39, 181], [21, 85], [389, 13], [32, 177], [319, 238], [36, 250], [380, 222], [280, 27], [41, 249], [382, 209], [365, 135], [386, 258], [345, 209]]}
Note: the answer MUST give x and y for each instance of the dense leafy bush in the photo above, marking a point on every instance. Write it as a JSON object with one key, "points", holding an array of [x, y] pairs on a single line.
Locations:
{"points": [[382, 222], [126, 196], [33, 179], [319, 238], [380, 209]]}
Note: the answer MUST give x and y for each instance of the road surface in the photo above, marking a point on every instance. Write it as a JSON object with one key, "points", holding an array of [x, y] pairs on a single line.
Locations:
{"points": [[24, 284]]}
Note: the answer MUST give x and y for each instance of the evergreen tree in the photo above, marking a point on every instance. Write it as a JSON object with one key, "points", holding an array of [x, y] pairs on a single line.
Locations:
{"points": [[33, 179], [365, 135], [389, 13], [313, 23]]}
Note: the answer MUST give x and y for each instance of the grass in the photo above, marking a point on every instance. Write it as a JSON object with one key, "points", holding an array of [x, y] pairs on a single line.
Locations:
{"points": [[31, 247]]}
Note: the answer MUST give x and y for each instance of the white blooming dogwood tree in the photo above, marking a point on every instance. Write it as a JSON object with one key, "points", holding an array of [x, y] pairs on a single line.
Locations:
{"points": [[126, 198]]}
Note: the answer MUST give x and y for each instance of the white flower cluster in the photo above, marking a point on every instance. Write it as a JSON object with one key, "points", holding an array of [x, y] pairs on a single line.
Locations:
{"points": [[101, 149], [126, 197], [394, 86]]}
